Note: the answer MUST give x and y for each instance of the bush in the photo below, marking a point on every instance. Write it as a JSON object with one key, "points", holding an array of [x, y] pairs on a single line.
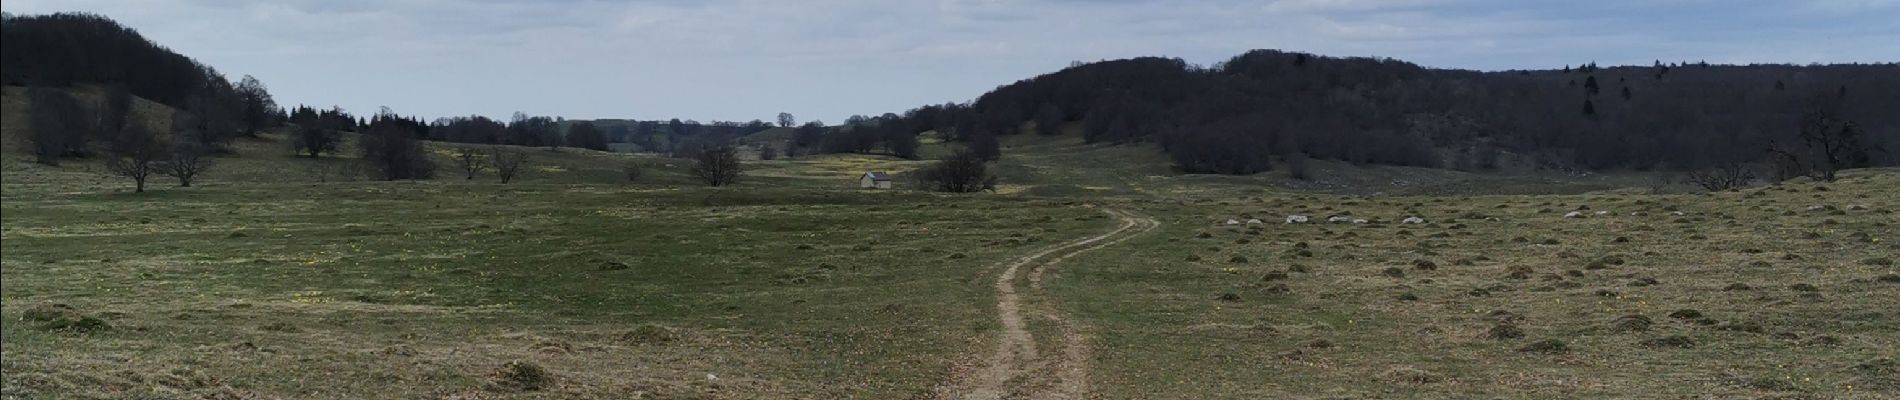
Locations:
{"points": [[962, 171], [718, 165], [1546, 346], [393, 150], [632, 171], [523, 376]]}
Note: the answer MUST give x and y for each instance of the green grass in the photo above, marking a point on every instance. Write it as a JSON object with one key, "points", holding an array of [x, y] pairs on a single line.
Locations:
{"points": [[780, 292], [1164, 331], [285, 277]]}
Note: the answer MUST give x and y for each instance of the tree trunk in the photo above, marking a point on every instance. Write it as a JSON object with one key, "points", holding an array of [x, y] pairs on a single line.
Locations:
{"points": [[138, 185]]}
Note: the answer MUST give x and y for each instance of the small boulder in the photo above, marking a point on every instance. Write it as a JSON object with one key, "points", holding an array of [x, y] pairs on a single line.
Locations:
{"points": [[1296, 219], [1412, 220]]}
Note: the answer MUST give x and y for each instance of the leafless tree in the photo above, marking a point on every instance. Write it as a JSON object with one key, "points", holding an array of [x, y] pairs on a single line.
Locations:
{"points": [[471, 160], [1828, 145], [1726, 176], [135, 152], [507, 162], [188, 160], [632, 170], [718, 165], [963, 171]]}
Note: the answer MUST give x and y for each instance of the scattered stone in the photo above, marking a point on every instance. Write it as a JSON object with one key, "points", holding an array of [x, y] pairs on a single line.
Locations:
{"points": [[1575, 214], [1255, 221], [1412, 221], [1296, 219]]}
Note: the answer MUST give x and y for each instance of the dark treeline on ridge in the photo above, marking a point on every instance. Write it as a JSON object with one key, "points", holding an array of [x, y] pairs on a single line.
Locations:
{"points": [[1240, 115], [1248, 114]]}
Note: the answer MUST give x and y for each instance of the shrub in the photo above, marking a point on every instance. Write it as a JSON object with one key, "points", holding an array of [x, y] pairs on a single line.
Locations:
{"points": [[1631, 323], [523, 376], [1546, 346], [962, 171], [1504, 332]]}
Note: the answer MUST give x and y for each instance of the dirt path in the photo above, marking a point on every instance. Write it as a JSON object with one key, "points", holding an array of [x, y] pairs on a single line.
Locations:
{"points": [[1015, 353]]}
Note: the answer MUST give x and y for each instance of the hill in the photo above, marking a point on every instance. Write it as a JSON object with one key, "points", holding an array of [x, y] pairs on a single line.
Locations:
{"points": [[1249, 113]]}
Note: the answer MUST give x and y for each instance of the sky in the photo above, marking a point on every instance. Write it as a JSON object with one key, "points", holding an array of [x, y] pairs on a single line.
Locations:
{"points": [[740, 60]]}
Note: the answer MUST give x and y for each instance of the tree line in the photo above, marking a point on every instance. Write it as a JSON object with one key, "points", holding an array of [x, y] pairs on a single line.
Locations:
{"points": [[1266, 108]]}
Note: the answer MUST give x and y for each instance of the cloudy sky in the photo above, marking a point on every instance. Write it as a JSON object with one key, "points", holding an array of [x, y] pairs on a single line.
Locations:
{"points": [[827, 59]]}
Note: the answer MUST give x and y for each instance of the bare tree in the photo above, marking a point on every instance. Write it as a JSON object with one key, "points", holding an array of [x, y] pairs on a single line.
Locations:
{"points": [[471, 160], [312, 140], [1727, 176], [136, 153], [1828, 145], [188, 159], [256, 110], [507, 162], [963, 171], [632, 170], [718, 165]]}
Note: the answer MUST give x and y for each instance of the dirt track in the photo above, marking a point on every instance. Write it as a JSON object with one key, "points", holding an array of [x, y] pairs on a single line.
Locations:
{"points": [[1015, 353]]}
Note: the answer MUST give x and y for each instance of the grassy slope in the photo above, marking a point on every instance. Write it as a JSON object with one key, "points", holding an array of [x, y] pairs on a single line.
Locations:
{"points": [[1165, 331], [276, 284], [274, 278]]}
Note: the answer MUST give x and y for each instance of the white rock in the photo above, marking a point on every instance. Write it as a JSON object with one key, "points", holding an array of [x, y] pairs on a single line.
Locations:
{"points": [[1603, 213], [1339, 219], [1678, 213], [1255, 221], [1296, 219], [1233, 222], [1412, 220], [1360, 221], [1574, 214], [1816, 207]]}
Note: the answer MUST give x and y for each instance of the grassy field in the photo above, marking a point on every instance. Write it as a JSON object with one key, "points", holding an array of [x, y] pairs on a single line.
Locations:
{"points": [[285, 277], [1778, 292]]}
